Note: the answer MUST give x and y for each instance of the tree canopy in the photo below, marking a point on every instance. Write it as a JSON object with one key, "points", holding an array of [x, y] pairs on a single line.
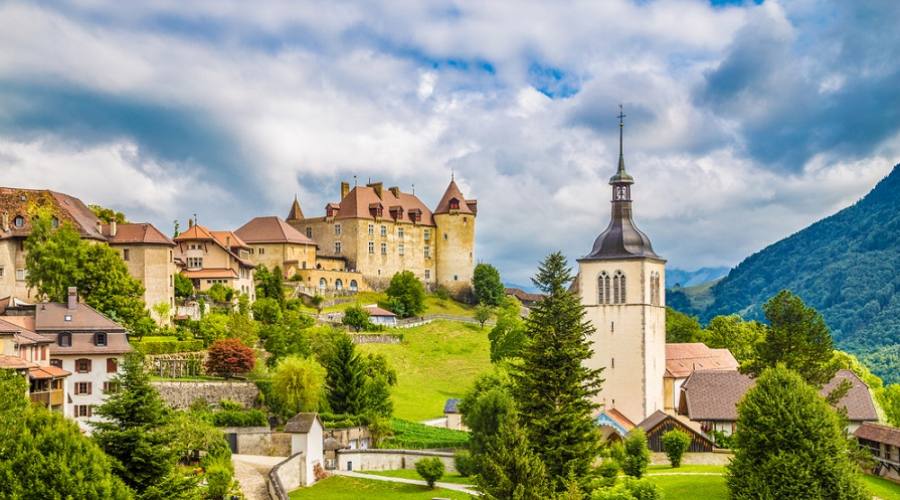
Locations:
{"points": [[487, 285], [299, 384], [406, 295]]}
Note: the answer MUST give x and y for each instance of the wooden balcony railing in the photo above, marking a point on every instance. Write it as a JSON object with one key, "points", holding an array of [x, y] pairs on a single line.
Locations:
{"points": [[48, 398]]}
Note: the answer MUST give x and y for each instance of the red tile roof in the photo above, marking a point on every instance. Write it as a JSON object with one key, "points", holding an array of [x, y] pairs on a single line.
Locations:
{"points": [[54, 316], [195, 232], [377, 311], [357, 202], [229, 240], [450, 193], [226, 240], [682, 359], [620, 418], [271, 229], [14, 363], [879, 433], [47, 371], [137, 233]]}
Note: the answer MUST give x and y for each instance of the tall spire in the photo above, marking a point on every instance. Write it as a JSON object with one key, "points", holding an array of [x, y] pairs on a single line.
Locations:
{"points": [[295, 213], [621, 176]]}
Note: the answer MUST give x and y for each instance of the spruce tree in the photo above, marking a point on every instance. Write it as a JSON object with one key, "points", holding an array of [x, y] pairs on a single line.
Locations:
{"points": [[346, 379], [790, 444], [134, 434], [509, 469], [553, 387]]}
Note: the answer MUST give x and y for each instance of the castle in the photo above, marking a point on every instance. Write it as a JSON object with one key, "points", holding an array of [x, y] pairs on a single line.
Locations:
{"points": [[379, 232]]}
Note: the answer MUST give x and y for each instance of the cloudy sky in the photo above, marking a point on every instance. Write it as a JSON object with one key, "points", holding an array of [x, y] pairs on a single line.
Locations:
{"points": [[746, 121]]}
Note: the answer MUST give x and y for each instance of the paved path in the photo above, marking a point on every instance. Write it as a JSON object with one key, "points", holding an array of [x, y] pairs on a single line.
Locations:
{"points": [[250, 471], [462, 488]]}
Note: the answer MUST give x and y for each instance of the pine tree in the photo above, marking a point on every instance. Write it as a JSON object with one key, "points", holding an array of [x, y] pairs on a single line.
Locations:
{"points": [[509, 469], [553, 388], [134, 434], [346, 379], [789, 444]]}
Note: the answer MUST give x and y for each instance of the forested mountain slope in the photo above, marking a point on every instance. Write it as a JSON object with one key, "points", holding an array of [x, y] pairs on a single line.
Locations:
{"points": [[847, 266]]}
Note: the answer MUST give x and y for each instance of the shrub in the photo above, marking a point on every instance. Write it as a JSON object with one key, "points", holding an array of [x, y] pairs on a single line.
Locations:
{"points": [[607, 472], [228, 404], [431, 470], [229, 357], [675, 443], [442, 292], [356, 317], [465, 464], [218, 481], [629, 489], [239, 418], [722, 440], [637, 455]]}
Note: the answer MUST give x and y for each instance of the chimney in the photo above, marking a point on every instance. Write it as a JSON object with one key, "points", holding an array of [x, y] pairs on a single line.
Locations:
{"points": [[190, 222], [377, 186], [345, 189], [5, 222], [73, 298], [395, 191], [100, 227], [113, 229]]}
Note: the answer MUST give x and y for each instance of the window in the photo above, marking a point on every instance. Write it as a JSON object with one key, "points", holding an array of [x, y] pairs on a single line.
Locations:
{"points": [[655, 298], [400, 249], [100, 339], [56, 362], [399, 232], [454, 204], [455, 278], [465, 220], [110, 387], [337, 229], [428, 274], [309, 232], [338, 284], [195, 262], [82, 365], [337, 247], [171, 256], [371, 230], [445, 236], [126, 255], [603, 288], [262, 251], [82, 387], [54, 222], [612, 363], [64, 339], [427, 252], [384, 249], [19, 221], [83, 410], [618, 288], [1, 271], [371, 247], [322, 283], [384, 231], [426, 234], [21, 274], [112, 365], [353, 286]]}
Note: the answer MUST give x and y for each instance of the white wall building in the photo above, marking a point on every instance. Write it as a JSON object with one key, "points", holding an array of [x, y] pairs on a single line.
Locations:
{"points": [[307, 437]]}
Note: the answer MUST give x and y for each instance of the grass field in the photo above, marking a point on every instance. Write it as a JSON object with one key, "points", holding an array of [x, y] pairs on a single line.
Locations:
{"points": [[349, 488], [882, 488], [436, 361], [412, 474], [433, 304]]}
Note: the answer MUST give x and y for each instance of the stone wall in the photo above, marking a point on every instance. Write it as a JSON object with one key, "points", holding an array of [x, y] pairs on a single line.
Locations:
{"points": [[375, 338], [260, 441], [286, 477], [180, 395], [390, 459]]}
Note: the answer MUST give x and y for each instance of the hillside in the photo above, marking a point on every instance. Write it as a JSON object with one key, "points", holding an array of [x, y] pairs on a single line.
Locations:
{"points": [[845, 265], [680, 278]]}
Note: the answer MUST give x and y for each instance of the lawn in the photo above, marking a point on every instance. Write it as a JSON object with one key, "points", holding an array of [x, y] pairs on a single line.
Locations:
{"points": [[433, 304], [692, 487], [882, 488], [412, 474], [435, 362], [349, 488]]}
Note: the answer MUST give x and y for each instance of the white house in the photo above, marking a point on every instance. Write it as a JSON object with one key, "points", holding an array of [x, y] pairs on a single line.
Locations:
{"points": [[379, 316], [307, 437]]}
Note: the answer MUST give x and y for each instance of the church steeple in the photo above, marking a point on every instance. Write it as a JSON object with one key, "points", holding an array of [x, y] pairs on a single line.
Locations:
{"points": [[621, 239], [296, 213]]}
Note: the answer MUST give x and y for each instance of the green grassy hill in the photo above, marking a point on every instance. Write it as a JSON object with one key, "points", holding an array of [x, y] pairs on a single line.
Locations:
{"points": [[436, 361]]}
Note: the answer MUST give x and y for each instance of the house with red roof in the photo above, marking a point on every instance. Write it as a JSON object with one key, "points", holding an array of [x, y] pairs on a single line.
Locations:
{"points": [[210, 257]]}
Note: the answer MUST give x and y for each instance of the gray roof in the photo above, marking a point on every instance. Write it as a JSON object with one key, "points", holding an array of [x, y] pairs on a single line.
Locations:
{"points": [[301, 423], [621, 239], [451, 406]]}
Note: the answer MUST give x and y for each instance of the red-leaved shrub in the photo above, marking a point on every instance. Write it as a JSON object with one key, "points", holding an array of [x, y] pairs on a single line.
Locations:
{"points": [[229, 357]]}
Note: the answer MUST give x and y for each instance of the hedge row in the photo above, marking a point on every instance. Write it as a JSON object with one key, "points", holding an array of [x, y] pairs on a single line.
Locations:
{"points": [[169, 347], [239, 418]]}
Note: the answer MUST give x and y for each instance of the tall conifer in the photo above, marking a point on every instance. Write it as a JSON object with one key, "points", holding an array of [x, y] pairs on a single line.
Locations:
{"points": [[346, 379], [553, 387]]}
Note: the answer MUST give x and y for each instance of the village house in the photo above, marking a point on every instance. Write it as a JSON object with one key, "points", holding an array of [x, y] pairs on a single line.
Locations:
{"points": [[379, 232], [884, 443], [379, 316], [210, 257], [84, 343], [146, 251], [307, 438], [684, 359], [28, 353]]}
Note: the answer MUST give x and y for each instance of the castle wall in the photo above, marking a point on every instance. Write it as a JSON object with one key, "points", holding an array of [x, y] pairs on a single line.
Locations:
{"points": [[454, 248], [289, 257], [630, 339]]}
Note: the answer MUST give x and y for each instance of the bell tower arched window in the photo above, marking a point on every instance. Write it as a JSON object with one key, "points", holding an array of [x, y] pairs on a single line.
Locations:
{"points": [[618, 288], [603, 289]]}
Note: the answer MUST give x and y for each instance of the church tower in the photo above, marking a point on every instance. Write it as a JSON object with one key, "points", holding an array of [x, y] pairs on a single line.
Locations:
{"points": [[621, 283]]}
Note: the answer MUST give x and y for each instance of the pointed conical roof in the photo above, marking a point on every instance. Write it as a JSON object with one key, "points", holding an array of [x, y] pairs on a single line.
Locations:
{"points": [[296, 213], [452, 192]]}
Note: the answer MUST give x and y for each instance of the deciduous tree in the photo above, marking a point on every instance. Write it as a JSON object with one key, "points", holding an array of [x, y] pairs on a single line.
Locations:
{"points": [[482, 314], [229, 357], [356, 317], [487, 285], [406, 295], [738, 336], [299, 384], [431, 469]]}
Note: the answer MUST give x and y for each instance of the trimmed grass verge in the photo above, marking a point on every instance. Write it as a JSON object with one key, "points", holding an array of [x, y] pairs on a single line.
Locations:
{"points": [[454, 478], [350, 488]]}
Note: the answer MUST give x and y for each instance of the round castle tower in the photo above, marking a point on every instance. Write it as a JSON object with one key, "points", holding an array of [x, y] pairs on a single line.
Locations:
{"points": [[454, 239]]}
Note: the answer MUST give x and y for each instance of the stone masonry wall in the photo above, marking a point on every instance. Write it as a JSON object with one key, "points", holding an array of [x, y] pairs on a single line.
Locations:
{"points": [[180, 395]]}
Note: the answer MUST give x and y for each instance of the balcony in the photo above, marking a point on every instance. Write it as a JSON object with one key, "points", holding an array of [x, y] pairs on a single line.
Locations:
{"points": [[48, 398]]}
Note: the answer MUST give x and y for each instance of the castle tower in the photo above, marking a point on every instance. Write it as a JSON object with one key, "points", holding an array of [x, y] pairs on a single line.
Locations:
{"points": [[296, 214], [621, 283], [454, 241]]}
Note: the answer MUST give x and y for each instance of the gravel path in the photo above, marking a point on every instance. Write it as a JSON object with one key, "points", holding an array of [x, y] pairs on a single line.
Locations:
{"points": [[250, 471]]}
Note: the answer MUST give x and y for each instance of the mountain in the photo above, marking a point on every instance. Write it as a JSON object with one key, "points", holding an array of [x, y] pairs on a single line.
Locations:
{"points": [[847, 266], [678, 277]]}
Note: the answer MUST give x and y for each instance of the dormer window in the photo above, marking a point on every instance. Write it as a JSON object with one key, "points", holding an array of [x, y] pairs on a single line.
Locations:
{"points": [[100, 339], [64, 339], [19, 221], [454, 204]]}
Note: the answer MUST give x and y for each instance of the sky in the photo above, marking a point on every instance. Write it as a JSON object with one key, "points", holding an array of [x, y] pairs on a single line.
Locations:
{"points": [[746, 121]]}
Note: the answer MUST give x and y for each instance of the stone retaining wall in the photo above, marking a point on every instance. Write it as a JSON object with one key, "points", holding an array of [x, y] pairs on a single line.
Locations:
{"points": [[286, 477], [180, 395], [390, 459], [374, 338]]}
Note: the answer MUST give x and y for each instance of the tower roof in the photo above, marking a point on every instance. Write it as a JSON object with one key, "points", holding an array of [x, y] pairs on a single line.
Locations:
{"points": [[296, 213], [452, 192]]}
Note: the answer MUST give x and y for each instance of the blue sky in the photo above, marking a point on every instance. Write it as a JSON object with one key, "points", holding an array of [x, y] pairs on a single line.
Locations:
{"points": [[746, 120]]}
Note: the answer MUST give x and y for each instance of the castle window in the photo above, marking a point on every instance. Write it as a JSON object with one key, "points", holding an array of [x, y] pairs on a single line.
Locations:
{"points": [[64, 339], [445, 236], [338, 284], [427, 252], [371, 229], [322, 283], [618, 288], [399, 232], [337, 247], [1, 271], [384, 231], [337, 229], [612, 362], [603, 288], [194, 262], [371, 247], [19, 221], [455, 277], [428, 274], [384, 249], [465, 220], [426, 234], [308, 232], [454, 204], [21, 274], [262, 251], [400, 249], [126, 254]]}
